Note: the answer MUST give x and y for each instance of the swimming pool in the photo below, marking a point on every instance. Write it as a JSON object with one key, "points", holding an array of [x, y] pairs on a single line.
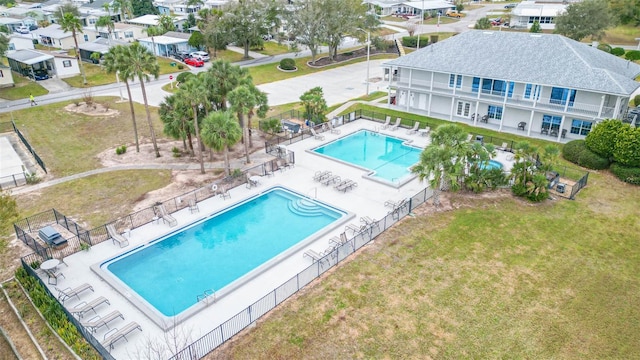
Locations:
{"points": [[169, 274], [493, 164], [388, 158]]}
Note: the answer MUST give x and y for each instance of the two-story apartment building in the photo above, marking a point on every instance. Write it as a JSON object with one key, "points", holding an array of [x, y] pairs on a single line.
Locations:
{"points": [[540, 85]]}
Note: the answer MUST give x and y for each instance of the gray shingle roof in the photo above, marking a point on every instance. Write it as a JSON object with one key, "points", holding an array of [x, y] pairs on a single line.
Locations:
{"points": [[543, 59]]}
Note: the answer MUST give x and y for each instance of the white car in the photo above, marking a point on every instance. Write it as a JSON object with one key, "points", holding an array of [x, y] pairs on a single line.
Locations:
{"points": [[200, 55], [22, 29]]}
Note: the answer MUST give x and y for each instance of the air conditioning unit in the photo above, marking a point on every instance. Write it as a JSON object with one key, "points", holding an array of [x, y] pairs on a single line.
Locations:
{"points": [[560, 188]]}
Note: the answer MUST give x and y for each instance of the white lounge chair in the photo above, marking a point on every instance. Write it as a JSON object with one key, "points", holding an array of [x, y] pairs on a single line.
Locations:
{"points": [[425, 131], [414, 129], [53, 276], [314, 255], [386, 122], [166, 218], [98, 321], [85, 307], [396, 125], [68, 293], [332, 129], [113, 335], [115, 237], [224, 193], [193, 206], [339, 241], [316, 135]]}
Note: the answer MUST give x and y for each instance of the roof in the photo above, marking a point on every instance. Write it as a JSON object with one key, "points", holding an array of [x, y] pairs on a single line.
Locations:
{"points": [[101, 45], [8, 20], [544, 59], [530, 8], [29, 57], [429, 4], [164, 40], [150, 20], [52, 31], [178, 35], [58, 54]]}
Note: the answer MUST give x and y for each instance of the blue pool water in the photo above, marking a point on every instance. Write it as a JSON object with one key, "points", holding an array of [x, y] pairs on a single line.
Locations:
{"points": [[386, 155], [212, 253], [492, 165]]}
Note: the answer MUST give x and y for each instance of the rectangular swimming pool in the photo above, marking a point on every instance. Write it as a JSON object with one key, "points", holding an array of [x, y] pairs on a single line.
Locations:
{"points": [[169, 274], [387, 158]]}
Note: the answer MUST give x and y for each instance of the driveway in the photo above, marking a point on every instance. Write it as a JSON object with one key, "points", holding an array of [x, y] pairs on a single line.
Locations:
{"points": [[54, 85]]}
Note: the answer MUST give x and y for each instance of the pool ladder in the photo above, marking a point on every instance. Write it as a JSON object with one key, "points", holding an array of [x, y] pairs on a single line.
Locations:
{"points": [[208, 296]]}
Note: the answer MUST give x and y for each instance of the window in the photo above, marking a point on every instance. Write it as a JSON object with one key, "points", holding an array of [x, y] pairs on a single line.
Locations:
{"points": [[86, 37], [128, 34], [495, 112], [463, 108], [551, 122], [1, 74], [92, 21], [580, 127], [532, 92], [560, 96], [475, 85], [12, 46], [497, 87], [66, 63], [457, 79]]}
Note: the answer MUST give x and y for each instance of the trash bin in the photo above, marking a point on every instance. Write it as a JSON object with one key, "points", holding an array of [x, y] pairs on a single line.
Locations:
{"points": [[173, 64], [480, 139]]}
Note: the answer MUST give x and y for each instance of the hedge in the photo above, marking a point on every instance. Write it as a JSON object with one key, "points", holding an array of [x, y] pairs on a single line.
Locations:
{"points": [[287, 64], [602, 137], [629, 175], [412, 41], [577, 152], [184, 76], [617, 51]]}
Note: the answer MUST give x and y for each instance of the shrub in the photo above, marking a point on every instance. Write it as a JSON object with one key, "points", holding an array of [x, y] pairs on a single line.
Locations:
{"points": [[380, 44], [412, 41], [632, 55], [577, 152], [626, 149], [121, 150], [483, 24], [636, 100], [270, 126], [618, 51], [180, 66], [602, 137], [176, 152], [629, 175], [287, 64], [183, 77], [605, 47]]}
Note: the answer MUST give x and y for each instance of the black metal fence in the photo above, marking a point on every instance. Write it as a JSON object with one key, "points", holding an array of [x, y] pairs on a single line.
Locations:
{"points": [[248, 316], [28, 146], [13, 180], [579, 185], [27, 261]]}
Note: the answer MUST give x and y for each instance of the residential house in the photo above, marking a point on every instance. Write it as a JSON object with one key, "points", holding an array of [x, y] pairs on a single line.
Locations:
{"points": [[527, 12], [152, 20], [53, 36], [20, 42], [168, 44], [28, 62], [100, 45], [6, 76], [122, 31], [414, 8], [11, 23], [538, 85]]}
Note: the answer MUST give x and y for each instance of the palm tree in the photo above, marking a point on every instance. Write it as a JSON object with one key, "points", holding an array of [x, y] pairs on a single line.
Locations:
{"points": [[195, 93], [69, 22], [140, 63], [174, 113], [124, 7], [261, 107], [224, 78], [166, 23], [242, 100], [105, 21], [154, 31], [114, 63], [220, 131]]}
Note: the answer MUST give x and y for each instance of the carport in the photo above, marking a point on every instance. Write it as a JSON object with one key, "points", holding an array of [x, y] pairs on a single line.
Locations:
{"points": [[29, 63]]}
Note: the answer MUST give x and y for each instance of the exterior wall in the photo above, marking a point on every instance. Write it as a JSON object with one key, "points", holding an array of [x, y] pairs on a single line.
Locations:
{"points": [[131, 34], [62, 71], [20, 43], [6, 77]]}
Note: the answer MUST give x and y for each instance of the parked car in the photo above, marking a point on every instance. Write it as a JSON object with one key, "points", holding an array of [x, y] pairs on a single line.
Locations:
{"points": [[634, 114], [194, 62], [510, 6], [181, 55], [22, 29], [33, 27], [496, 22], [453, 13], [200, 55], [39, 75]]}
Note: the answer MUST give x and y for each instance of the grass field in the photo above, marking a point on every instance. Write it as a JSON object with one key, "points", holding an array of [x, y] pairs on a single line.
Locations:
{"points": [[273, 48], [23, 87], [495, 278]]}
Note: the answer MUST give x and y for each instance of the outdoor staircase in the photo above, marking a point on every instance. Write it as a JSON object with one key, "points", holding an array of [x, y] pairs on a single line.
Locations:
{"points": [[400, 47], [305, 207]]}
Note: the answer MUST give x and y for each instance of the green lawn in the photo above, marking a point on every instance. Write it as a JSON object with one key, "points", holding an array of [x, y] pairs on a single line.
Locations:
{"points": [[443, 20], [273, 48], [23, 87], [621, 35], [228, 55], [496, 277], [68, 143]]}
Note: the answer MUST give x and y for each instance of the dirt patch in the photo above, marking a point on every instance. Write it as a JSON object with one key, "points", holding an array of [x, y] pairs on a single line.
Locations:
{"points": [[353, 54], [92, 109]]}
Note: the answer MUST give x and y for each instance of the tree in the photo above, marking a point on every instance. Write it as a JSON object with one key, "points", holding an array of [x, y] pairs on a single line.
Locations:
{"points": [[602, 138], [305, 20], [345, 17], [174, 113], [584, 19], [4, 40], [483, 24], [223, 78], [154, 31], [244, 99], [144, 7], [106, 22], [8, 215], [115, 62], [535, 28], [66, 8], [195, 93], [245, 22], [530, 179], [124, 8], [626, 11], [221, 131], [71, 23], [315, 106], [196, 40], [165, 22], [212, 30], [191, 22], [140, 63]]}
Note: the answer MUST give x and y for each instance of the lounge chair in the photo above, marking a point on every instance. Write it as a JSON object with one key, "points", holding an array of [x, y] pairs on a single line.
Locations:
{"points": [[68, 293], [98, 321], [166, 217], [469, 137], [414, 129], [224, 193], [504, 146], [396, 125], [332, 129], [115, 237], [85, 307], [386, 122], [319, 175], [346, 185], [367, 220], [316, 135], [113, 335], [193, 206], [330, 180], [53, 276], [394, 204], [314, 255], [354, 228], [425, 131], [339, 240]]}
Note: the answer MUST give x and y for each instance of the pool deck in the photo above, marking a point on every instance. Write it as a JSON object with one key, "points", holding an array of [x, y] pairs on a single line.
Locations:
{"points": [[367, 199]]}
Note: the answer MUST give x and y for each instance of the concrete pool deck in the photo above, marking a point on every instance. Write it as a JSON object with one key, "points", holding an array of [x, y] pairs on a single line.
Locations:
{"points": [[367, 199]]}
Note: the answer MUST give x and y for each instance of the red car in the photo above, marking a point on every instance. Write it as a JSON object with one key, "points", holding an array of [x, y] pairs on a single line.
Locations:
{"points": [[496, 22], [194, 62]]}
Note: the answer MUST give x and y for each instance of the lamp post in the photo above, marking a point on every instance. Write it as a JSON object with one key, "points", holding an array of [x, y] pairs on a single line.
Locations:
{"points": [[421, 24], [368, 54]]}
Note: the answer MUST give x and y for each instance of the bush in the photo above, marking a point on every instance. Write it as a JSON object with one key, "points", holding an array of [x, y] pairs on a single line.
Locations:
{"points": [[577, 152], [636, 100], [412, 41], [180, 66], [176, 152], [288, 64], [629, 175], [121, 150], [617, 51], [626, 149], [632, 55], [605, 48], [602, 137], [183, 77], [380, 44]]}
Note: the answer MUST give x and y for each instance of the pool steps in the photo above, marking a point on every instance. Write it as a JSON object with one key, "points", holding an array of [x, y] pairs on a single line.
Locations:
{"points": [[305, 207]]}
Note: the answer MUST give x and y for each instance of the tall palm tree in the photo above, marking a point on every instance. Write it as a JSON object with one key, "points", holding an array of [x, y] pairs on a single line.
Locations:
{"points": [[105, 21], [220, 131], [124, 7], [224, 78], [114, 62], [242, 100], [194, 92], [260, 108], [70, 22], [140, 63], [174, 113]]}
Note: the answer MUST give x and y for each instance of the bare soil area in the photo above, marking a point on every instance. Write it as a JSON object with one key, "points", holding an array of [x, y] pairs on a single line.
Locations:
{"points": [[91, 109], [348, 55]]}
